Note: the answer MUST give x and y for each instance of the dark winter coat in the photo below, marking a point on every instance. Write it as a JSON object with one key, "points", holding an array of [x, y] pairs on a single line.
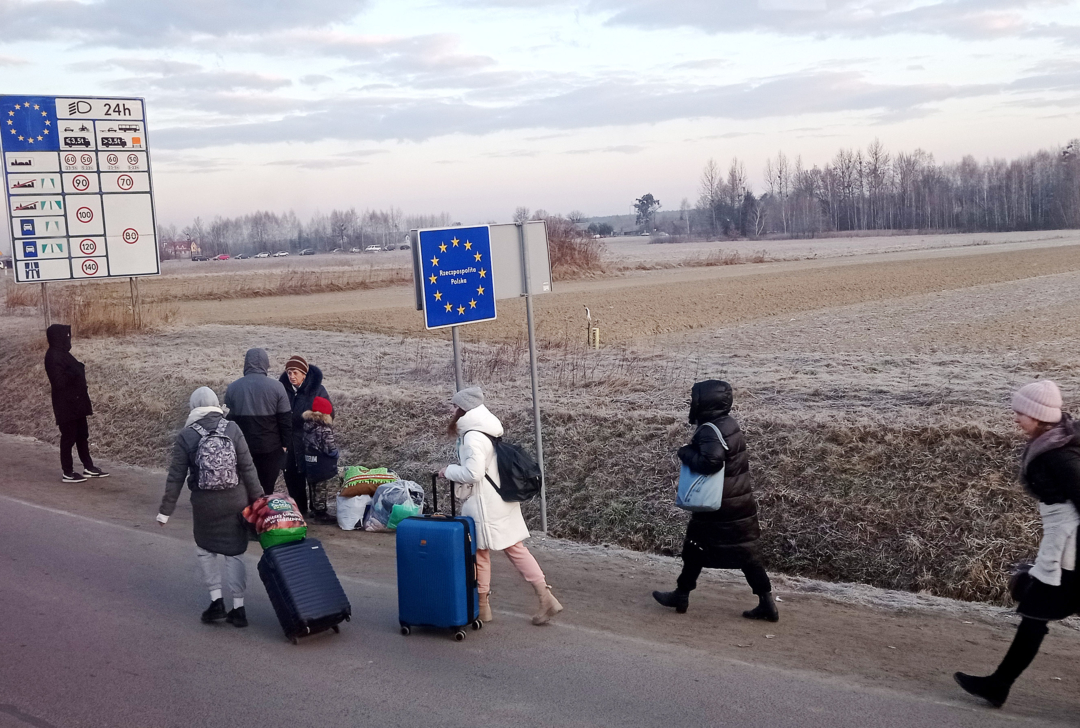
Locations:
{"points": [[260, 406], [219, 527], [67, 376], [1050, 470], [301, 400], [727, 538], [320, 447]]}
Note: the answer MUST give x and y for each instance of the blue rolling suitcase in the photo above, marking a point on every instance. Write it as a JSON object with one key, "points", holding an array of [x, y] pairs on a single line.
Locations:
{"points": [[436, 570], [303, 588]]}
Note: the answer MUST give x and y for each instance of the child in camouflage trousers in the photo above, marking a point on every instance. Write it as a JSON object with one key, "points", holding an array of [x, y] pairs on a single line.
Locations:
{"points": [[320, 457]]}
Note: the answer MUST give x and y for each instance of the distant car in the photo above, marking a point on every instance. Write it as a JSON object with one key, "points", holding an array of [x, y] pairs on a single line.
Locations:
{"points": [[198, 258], [223, 256], [243, 256], [372, 249], [403, 247], [307, 251], [354, 250], [338, 250], [262, 255], [281, 254]]}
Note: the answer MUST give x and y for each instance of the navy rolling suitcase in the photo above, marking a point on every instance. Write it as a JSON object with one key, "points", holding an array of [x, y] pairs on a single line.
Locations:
{"points": [[436, 570], [303, 588]]}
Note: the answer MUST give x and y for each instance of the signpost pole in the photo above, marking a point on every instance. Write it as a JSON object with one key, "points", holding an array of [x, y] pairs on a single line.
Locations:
{"points": [[457, 359], [136, 304], [532, 370], [45, 304]]}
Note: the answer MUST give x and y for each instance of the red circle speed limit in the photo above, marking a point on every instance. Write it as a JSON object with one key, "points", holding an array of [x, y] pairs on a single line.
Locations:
{"points": [[131, 235], [133, 159], [81, 182], [87, 159], [70, 159], [87, 247], [90, 267], [125, 182], [84, 214], [112, 159]]}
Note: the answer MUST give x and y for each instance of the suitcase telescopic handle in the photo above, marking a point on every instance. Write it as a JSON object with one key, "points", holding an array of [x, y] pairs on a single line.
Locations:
{"points": [[435, 495]]}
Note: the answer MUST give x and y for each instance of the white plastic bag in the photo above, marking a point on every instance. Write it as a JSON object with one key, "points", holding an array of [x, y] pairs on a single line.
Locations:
{"points": [[386, 497], [350, 511]]}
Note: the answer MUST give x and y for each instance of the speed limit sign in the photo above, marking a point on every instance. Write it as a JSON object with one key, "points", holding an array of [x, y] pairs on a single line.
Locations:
{"points": [[131, 235], [90, 267]]}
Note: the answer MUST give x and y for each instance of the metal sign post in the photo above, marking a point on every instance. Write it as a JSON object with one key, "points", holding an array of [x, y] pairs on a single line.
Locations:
{"points": [[45, 304], [458, 385], [527, 287]]}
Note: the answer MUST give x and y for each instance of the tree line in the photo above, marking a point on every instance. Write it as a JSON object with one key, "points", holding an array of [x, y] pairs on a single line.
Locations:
{"points": [[874, 189]]}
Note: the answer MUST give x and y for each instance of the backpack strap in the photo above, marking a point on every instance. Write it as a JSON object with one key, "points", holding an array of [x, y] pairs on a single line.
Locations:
{"points": [[199, 429], [718, 434], [493, 441], [223, 423]]}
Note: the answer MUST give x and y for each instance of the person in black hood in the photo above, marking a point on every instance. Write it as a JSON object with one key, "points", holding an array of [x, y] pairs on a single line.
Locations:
{"points": [[303, 383], [726, 538], [71, 404], [260, 406]]}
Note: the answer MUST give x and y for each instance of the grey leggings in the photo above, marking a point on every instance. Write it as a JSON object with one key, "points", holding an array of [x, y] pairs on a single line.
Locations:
{"points": [[235, 573]]}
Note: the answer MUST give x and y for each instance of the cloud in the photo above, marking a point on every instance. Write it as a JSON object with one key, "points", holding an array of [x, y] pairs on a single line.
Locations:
{"points": [[705, 64], [173, 76], [12, 61], [619, 149], [314, 79], [137, 23]]}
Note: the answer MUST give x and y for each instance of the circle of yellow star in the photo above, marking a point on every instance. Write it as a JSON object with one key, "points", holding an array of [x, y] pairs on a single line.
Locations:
{"points": [[480, 291], [36, 107], [434, 261], [438, 296], [442, 248], [433, 279], [472, 303], [454, 241], [468, 245], [12, 113], [461, 310], [478, 257], [483, 273], [449, 307]]}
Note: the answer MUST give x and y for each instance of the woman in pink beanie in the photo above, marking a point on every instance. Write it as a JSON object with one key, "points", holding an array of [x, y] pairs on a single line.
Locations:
{"points": [[1050, 590]]}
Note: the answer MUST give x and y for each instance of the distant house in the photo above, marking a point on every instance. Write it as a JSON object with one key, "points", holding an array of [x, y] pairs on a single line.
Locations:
{"points": [[180, 249]]}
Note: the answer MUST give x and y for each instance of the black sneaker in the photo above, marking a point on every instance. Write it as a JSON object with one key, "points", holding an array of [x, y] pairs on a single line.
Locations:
{"points": [[215, 612], [72, 478], [237, 617], [93, 472], [323, 518]]}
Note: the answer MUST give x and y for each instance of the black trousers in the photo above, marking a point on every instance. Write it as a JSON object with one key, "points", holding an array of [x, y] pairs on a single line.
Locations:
{"points": [[297, 486], [74, 432], [268, 465], [1024, 647], [755, 574]]}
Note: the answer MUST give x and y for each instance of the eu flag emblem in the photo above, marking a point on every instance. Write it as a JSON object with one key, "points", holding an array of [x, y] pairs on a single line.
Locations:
{"points": [[28, 124], [457, 285]]}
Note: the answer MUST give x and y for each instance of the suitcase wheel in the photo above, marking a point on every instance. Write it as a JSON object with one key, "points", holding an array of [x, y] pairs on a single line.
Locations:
{"points": [[405, 630], [337, 630], [477, 624], [459, 635], [294, 640]]}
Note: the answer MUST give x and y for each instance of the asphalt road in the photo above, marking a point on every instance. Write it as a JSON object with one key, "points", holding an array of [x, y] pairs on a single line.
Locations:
{"points": [[101, 627]]}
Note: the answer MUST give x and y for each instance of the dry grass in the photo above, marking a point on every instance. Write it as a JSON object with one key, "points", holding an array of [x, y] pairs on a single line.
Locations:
{"points": [[259, 284], [91, 309]]}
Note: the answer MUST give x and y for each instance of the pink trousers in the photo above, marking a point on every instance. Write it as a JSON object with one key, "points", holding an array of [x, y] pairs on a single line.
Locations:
{"points": [[519, 556]]}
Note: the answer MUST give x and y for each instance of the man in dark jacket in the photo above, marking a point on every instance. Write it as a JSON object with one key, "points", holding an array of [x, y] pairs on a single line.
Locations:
{"points": [[260, 406], [71, 404], [726, 538], [303, 383]]}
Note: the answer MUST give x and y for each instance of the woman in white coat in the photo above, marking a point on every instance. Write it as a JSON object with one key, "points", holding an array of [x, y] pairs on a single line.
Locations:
{"points": [[499, 524]]}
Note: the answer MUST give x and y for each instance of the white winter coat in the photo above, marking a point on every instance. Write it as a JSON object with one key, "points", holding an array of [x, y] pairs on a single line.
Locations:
{"points": [[499, 524]]}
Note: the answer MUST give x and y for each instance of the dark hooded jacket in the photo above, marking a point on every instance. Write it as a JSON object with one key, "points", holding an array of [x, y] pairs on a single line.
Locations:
{"points": [[260, 406], [727, 538], [67, 376], [301, 399]]}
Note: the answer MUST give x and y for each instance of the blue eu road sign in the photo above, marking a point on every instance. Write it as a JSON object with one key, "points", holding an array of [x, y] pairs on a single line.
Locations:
{"points": [[29, 124], [456, 268]]}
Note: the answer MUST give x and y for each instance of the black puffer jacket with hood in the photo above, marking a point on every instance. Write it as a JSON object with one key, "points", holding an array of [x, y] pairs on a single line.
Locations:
{"points": [[727, 538], [301, 399], [260, 406], [67, 375]]}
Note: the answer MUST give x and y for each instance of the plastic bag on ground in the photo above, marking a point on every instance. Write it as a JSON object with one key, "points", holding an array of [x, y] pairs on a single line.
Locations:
{"points": [[386, 497], [400, 512], [359, 480], [350, 511]]}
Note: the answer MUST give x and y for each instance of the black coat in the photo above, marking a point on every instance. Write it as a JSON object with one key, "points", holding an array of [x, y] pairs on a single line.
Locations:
{"points": [[67, 376], [301, 399], [727, 538]]}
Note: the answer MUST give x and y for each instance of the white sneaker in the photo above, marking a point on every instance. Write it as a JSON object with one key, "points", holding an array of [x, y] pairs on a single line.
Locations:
{"points": [[72, 478]]}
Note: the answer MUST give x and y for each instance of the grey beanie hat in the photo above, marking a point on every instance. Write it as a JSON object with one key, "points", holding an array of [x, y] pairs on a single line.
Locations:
{"points": [[468, 399]]}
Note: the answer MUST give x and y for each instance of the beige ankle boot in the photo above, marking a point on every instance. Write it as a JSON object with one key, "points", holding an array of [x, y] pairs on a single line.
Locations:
{"points": [[549, 605], [485, 608]]}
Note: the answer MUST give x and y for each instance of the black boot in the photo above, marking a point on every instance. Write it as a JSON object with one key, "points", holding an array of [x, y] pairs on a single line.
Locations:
{"points": [[1025, 645], [237, 617], [989, 688], [215, 612], [766, 609], [678, 599]]}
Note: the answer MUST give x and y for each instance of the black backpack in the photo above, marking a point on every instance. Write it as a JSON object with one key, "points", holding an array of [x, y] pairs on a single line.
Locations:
{"points": [[518, 472]]}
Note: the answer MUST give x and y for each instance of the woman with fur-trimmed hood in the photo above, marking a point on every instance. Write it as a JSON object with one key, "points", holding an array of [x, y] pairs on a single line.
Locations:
{"points": [[320, 456]]}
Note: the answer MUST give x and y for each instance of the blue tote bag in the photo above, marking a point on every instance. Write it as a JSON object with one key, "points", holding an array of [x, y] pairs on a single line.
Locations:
{"points": [[699, 492]]}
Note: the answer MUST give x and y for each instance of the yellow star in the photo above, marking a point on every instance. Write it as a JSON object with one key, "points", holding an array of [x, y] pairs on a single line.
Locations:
{"points": [[40, 138], [46, 131], [17, 107], [42, 113], [468, 245], [480, 291], [433, 279], [454, 241], [442, 248], [20, 137], [438, 296], [12, 131], [434, 261], [48, 123], [449, 307], [12, 113], [483, 273], [31, 140], [36, 107], [461, 310], [10, 122], [478, 257], [472, 303]]}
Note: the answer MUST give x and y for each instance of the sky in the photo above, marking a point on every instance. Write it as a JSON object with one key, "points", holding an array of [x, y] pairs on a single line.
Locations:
{"points": [[476, 107]]}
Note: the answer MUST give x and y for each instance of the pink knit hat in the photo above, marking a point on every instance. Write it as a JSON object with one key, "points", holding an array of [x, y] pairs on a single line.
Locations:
{"points": [[1039, 400]]}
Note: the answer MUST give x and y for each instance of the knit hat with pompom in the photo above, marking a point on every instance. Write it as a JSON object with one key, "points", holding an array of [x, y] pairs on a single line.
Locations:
{"points": [[1039, 400]]}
